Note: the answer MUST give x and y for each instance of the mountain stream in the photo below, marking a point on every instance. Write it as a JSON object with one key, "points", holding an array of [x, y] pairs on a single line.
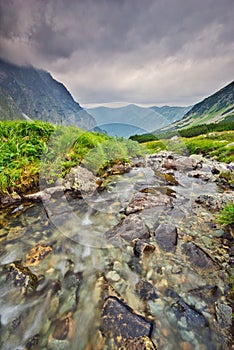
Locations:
{"points": [[141, 263]]}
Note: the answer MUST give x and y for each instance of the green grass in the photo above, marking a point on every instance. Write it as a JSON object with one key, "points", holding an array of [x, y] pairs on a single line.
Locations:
{"points": [[218, 145], [22, 144], [33, 151], [226, 216]]}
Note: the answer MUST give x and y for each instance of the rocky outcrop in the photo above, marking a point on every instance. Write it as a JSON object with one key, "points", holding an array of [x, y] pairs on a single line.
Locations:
{"points": [[30, 93]]}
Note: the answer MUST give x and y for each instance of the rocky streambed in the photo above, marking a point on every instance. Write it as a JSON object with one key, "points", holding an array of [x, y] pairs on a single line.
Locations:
{"points": [[135, 260]]}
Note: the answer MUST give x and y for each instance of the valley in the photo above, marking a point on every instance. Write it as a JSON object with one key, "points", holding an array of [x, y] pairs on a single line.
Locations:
{"points": [[116, 224]]}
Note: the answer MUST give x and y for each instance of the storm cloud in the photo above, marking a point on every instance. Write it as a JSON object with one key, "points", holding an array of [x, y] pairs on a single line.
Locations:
{"points": [[110, 51]]}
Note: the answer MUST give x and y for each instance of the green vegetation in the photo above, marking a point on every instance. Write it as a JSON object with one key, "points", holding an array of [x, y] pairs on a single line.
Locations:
{"points": [[219, 145], [207, 128], [226, 216], [225, 125], [22, 144], [143, 138], [33, 151]]}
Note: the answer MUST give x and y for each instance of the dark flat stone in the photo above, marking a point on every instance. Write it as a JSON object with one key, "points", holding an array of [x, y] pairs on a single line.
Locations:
{"points": [[166, 236], [198, 258], [194, 318], [120, 322]]}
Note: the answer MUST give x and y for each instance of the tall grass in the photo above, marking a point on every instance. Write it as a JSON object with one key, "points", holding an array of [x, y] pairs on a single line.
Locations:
{"points": [[29, 150], [22, 144]]}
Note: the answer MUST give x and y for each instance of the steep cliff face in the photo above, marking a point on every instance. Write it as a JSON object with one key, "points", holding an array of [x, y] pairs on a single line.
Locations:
{"points": [[26, 92]]}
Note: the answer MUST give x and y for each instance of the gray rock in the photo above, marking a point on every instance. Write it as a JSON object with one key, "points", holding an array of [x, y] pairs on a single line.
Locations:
{"points": [[224, 314], [215, 201], [143, 201], [131, 228], [166, 236], [81, 179]]}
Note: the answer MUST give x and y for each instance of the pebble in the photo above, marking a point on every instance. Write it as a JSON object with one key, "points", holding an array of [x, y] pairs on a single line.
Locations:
{"points": [[113, 275]]}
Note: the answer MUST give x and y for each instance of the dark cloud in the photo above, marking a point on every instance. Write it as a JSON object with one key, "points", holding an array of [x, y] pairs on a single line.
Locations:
{"points": [[158, 51]]}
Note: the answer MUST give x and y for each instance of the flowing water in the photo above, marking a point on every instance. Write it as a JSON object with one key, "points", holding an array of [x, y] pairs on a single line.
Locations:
{"points": [[54, 300]]}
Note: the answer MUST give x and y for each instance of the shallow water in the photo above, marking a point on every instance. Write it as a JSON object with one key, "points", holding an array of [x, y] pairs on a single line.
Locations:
{"points": [[69, 278]]}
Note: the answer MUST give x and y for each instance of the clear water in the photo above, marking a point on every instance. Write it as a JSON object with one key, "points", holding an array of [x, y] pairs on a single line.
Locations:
{"points": [[75, 228]]}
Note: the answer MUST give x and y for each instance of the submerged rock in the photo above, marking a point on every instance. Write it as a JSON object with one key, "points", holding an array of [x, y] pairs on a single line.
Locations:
{"points": [[33, 342], [37, 254], [166, 236], [215, 202], [143, 201], [198, 258], [22, 276], [130, 228], [62, 327], [192, 318], [146, 290]]}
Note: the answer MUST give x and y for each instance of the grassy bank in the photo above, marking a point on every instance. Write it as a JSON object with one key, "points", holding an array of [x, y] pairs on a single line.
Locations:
{"points": [[218, 145], [32, 149]]}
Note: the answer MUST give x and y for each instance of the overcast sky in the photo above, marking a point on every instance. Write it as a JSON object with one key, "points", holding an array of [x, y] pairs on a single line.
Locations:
{"points": [[150, 52]]}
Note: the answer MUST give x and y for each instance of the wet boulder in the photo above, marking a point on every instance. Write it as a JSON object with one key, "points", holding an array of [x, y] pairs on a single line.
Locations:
{"points": [[120, 323], [118, 169], [130, 228], [82, 180], [181, 163], [143, 201], [166, 236], [223, 314], [207, 293]]}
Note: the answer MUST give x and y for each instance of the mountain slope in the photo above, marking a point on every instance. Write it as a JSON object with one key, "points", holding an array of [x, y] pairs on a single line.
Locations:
{"points": [[171, 113], [26, 92], [131, 117], [213, 109]]}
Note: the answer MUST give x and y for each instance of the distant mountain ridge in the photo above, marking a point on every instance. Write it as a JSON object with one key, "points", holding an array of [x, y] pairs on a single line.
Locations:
{"points": [[172, 113], [27, 92], [128, 120]]}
